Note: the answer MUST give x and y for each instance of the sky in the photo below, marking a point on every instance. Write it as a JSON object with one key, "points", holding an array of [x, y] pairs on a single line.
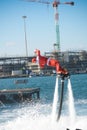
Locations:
{"points": [[40, 27]]}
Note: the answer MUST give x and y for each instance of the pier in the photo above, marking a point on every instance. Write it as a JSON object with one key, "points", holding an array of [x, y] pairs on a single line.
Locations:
{"points": [[19, 95]]}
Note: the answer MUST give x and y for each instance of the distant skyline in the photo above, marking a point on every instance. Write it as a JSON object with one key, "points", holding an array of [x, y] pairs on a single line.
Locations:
{"points": [[40, 27]]}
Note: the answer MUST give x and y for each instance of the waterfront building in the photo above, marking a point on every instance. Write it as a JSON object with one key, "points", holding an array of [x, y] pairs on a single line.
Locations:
{"points": [[74, 61]]}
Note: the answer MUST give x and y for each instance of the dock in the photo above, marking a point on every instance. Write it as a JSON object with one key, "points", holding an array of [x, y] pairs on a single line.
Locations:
{"points": [[19, 95]]}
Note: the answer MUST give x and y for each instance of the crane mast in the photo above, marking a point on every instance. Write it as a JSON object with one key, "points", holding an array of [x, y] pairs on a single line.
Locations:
{"points": [[56, 15], [55, 3], [55, 6]]}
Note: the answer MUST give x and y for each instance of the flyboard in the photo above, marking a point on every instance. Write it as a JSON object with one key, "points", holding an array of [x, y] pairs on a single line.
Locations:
{"points": [[62, 77], [61, 93]]}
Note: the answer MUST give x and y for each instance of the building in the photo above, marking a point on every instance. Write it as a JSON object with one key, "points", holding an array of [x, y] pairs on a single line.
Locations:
{"points": [[74, 61]]}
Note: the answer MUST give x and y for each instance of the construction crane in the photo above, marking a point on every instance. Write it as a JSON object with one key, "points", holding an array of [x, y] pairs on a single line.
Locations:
{"points": [[55, 5]]}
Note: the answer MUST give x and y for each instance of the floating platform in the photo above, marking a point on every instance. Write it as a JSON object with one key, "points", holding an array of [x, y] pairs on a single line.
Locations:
{"points": [[19, 95], [21, 81]]}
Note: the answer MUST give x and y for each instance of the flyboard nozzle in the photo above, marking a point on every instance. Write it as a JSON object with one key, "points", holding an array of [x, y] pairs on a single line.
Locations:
{"points": [[64, 76]]}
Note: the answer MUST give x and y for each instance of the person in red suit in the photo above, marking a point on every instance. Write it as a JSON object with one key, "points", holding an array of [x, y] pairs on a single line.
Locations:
{"points": [[42, 61]]}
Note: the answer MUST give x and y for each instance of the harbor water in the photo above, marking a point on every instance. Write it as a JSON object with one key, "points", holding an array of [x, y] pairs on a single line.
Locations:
{"points": [[38, 115]]}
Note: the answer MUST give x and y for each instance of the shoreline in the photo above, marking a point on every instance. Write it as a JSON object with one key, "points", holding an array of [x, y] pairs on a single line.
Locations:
{"points": [[26, 76]]}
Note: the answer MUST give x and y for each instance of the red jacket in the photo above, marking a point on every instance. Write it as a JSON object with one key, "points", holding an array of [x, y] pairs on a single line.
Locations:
{"points": [[42, 61]]}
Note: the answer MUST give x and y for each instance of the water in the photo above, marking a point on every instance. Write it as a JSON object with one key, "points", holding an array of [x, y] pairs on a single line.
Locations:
{"points": [[72, 113], [55, 101], [38, 115]]}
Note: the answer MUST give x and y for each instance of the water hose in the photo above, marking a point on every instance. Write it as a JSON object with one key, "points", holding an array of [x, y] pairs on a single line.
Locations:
{"points": [[61, 99], [61, 95]]}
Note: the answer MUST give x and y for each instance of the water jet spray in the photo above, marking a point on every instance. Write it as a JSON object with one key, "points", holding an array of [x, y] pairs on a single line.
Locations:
{"points": [[62, 76]]}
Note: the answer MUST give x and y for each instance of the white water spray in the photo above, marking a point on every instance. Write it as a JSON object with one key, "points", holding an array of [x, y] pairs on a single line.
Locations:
{"points": [[37, 116], [72, 113], [55, 100]]}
